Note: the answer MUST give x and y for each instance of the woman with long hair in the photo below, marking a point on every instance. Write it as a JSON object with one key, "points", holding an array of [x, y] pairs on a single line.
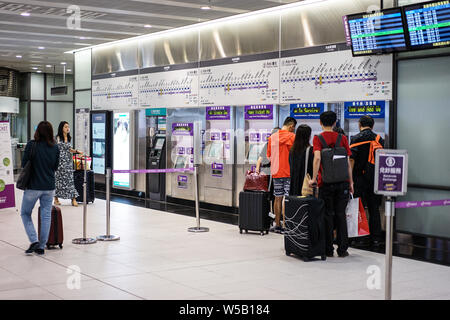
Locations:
{"points": [[44, 156], [297, 159], [65, 186]]}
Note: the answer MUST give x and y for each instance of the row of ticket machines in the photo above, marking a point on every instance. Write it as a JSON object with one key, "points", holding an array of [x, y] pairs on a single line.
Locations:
{"points": [[232, 138]]}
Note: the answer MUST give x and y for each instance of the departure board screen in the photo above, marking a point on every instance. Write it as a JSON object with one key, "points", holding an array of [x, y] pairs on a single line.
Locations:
{"points": [[377, 33], [428, 24]]}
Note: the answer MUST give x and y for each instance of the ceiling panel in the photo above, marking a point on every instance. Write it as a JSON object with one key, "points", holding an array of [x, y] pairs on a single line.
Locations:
{"points": [[101, 21]]}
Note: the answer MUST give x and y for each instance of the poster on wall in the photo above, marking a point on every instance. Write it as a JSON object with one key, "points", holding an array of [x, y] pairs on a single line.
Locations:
{"points": [[168, 88], [7, 198], [114, 93], [238, 81], [335, 76], [121, 149], [82, 134]]}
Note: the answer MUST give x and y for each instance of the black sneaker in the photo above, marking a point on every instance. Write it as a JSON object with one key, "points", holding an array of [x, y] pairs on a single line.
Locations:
{"points": [[32, 247], [343, 255], [39, 251]]}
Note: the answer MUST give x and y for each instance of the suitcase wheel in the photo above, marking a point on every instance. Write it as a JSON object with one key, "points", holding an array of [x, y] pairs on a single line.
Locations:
{"points": [[60, 246], [288, 253], [240, 231], [267, 231], [262, 233], [323, 258], [246, 231], [305, 259]]}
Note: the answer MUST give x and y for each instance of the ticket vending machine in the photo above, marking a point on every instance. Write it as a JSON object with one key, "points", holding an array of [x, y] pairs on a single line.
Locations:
{"points": [[378, 110], [217, 171], [156, 152], [257, 122]]}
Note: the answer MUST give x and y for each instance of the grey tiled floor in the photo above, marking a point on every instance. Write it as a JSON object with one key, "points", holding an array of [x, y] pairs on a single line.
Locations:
{"points": [[157, 258]]}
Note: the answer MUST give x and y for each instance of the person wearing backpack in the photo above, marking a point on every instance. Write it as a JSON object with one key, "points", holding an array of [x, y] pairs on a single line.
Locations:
{"points": [[363, 147], [333, 175]]}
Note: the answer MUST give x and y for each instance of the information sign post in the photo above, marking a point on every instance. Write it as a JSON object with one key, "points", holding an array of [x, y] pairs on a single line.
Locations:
{"points": [[391, 178]]}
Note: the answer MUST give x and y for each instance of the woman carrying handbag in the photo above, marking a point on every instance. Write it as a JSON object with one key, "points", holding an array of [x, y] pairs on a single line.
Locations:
{"points": [[301, 162]]}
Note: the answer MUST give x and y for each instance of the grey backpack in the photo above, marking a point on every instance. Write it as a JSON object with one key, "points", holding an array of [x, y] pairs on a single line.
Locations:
{"points": [[334, 161]]}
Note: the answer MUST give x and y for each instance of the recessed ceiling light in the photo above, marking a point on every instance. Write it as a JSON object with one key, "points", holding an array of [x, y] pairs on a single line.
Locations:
{"points": [[205, 8], [147, 26], [63, 63], [25, 14], [18, 56], [39, 71], [41, 48], [49, 66], [69, 70], [34, 68], [82, 38]]}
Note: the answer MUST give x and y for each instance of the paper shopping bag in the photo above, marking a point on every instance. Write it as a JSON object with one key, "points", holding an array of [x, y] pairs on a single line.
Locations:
{"points": [[357, 225]]}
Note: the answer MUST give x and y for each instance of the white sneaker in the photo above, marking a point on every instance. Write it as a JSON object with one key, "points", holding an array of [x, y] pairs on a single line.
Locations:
{"points": [[271, 215]]}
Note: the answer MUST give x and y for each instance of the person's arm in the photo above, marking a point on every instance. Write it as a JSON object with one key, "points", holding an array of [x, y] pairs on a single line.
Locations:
{"points": [[316, 167], [258, 164], [350, 175], [352, 163], [26, 154], [57, 159]]}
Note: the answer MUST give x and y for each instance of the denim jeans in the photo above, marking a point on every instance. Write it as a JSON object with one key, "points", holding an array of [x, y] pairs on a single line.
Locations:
{"points": [[30, 197]]}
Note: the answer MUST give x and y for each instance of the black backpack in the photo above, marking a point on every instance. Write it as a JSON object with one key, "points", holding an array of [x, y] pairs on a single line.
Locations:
{"points": [[334, 161]]}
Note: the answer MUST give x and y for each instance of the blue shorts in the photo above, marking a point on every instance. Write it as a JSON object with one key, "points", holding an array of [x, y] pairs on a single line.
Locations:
{"points": [[281, 186]]}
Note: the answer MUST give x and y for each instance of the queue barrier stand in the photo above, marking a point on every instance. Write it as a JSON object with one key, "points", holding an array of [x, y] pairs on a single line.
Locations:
{"points": [[194, 171], [108, 236], [84, 239]]}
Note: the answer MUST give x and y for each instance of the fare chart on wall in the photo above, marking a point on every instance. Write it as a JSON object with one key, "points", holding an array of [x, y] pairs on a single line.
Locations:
{"points": [[115, 93], [335, 76], [178, 88], [240, 83]]}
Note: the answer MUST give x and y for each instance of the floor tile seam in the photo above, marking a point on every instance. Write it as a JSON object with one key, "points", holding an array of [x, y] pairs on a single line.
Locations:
{"points": [[83, 274]]}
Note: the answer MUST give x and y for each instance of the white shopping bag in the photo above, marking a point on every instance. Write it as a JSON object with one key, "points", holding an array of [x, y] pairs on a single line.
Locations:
{"points": [[357, 225]]}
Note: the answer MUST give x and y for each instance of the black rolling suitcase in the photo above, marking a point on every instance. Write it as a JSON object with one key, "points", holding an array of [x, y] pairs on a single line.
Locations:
{"points": [[254, 208], [305, 230], [78, 177]]}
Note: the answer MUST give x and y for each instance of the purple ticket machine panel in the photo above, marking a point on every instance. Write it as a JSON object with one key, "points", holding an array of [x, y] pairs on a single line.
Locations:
{"points": [[217, 171]]}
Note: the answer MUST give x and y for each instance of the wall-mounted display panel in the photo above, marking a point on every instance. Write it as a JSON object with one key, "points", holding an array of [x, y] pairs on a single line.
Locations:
{"points": [[312, 75], [115, 91], [377, 33], [428, 24], [169, 86], [240, 80], [122, 149]]}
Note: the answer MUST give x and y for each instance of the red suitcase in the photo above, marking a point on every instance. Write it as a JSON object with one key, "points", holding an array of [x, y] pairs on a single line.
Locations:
{"points": [[56, 234]]}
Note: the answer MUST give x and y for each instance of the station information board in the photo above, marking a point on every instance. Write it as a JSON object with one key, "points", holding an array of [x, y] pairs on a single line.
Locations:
{"points": [[307, 110], [428, 24], [357, 109], [377, 33]]}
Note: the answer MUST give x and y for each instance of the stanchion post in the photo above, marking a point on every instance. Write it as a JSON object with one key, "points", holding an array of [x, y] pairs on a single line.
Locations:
{"points": [[108, 236], [197, 206], [389, 212], [85, 239]]}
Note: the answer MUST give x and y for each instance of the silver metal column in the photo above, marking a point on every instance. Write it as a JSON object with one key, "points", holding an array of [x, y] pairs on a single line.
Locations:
{"points": [[197, 210], [390, 212], [108, 236]]}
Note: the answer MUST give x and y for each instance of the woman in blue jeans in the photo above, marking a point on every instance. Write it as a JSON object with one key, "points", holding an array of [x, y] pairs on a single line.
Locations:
{"points": [[44, 155]]}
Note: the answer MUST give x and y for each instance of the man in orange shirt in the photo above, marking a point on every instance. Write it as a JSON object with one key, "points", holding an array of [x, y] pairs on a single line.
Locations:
{"points": [[278, 148]]}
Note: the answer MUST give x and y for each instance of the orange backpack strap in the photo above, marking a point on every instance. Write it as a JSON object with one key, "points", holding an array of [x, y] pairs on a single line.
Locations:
{"points": [[359, 143]]}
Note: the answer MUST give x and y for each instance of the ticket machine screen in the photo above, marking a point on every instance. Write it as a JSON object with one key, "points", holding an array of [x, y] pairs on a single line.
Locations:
{"points": [[215, 150], [180, 163], [159, 144], [253, 153]]}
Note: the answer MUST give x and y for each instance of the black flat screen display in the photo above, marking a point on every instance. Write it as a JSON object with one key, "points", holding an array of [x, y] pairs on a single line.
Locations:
{"points": [[377, 33], [428, 24]]}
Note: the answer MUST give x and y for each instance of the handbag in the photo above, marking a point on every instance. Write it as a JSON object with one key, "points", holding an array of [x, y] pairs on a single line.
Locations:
{"points": [[357, 224], [256, 182], [306, 189], [24, 178]]}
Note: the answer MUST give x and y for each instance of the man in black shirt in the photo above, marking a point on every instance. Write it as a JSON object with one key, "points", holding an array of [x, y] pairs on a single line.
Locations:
{"points": [[363, 175]]}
